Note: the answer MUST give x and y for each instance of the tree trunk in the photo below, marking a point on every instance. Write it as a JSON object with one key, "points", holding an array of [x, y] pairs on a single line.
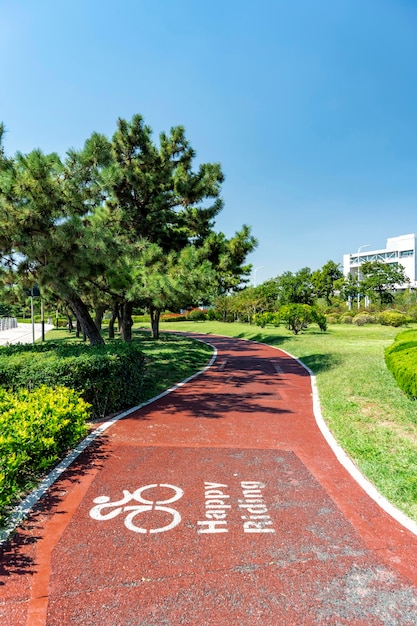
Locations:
{"points": [[115, 315], [155, 315], [99, 314], [78, 332], [70, 324], [126, 321], [88, 327]]}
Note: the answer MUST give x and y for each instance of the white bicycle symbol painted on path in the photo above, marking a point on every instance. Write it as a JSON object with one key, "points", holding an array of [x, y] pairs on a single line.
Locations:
{"points": [[103, 503]]}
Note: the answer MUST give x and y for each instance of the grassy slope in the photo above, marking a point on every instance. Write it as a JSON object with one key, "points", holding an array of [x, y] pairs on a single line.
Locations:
{"points": [[367, 413]]}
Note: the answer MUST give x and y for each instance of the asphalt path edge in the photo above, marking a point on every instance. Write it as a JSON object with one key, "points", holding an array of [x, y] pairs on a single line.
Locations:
{"points": [[22, 510]]}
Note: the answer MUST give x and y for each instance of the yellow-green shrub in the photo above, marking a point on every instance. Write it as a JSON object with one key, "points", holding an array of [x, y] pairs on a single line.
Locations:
{"points": [[36, 428], [363, 318], [392, 318]]}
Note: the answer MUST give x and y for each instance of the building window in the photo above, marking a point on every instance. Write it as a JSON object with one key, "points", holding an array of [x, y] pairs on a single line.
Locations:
{"points": [[404, 253]]}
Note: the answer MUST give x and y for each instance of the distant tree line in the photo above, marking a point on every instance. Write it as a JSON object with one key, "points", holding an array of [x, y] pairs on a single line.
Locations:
{"points": [[305, 296]]}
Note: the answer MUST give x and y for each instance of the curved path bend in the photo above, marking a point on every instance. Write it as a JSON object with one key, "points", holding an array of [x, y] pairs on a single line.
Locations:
{"points": [[221, 503]]}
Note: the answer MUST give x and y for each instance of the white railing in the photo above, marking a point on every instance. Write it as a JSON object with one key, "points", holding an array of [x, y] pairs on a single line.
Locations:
{"points": [[8, 322]]}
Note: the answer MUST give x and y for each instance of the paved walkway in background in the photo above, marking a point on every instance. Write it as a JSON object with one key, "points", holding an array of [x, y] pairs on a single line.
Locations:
{"points": [[220, 503], [22, 334]]}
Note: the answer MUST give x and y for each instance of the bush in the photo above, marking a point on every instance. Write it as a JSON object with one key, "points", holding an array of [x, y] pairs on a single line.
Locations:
{"points": [[401, 360], [196, 315], [364, 318], [412, 313], [36, 427], [320, 319], [223, 316], [346, 318], [262, 319], [392, 318], [212, 315], [333, 318], [297, 316], [108, 377]]}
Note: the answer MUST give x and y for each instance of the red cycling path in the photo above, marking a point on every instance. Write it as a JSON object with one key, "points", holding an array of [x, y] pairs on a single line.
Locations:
{"points": [[218, 503]]}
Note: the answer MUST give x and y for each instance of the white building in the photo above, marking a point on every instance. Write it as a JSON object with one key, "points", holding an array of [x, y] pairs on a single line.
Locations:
{"points": [[399, 251]]}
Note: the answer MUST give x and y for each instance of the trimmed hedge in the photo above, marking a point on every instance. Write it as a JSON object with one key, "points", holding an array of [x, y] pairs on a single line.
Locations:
{"points": [[109, 377], [36, 427], [401, 360]]}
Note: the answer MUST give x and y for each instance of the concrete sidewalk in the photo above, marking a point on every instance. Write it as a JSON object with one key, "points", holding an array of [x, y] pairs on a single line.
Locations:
{"points": [[23, 333]]}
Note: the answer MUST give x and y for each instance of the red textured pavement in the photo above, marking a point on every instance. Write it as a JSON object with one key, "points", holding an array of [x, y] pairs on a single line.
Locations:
{"points": [[219, 504]]}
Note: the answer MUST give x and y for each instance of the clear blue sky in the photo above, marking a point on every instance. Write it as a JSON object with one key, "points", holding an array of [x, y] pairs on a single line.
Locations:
{"points": [[309, 105]]}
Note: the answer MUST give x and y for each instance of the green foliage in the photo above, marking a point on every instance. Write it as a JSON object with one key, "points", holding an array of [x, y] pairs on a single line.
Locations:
{"points": [[262, 319], [171, 281], [169, 361], [364, 318], [325, 280], [228, 258], [196, 315], [297, 316], [125, 222], [212, 314], [401, 360], [267, 294], [41, 194], [320, 319], [108, 377], [349, 287], [412, 313], [36, 427], [333, 318], [224, 308], [392, 318], [141, 319], [381, 279], [296, 288], [5, 310]]}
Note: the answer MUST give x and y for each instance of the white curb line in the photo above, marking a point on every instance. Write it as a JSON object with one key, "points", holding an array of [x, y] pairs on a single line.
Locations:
{"points": [[348, 464]]}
